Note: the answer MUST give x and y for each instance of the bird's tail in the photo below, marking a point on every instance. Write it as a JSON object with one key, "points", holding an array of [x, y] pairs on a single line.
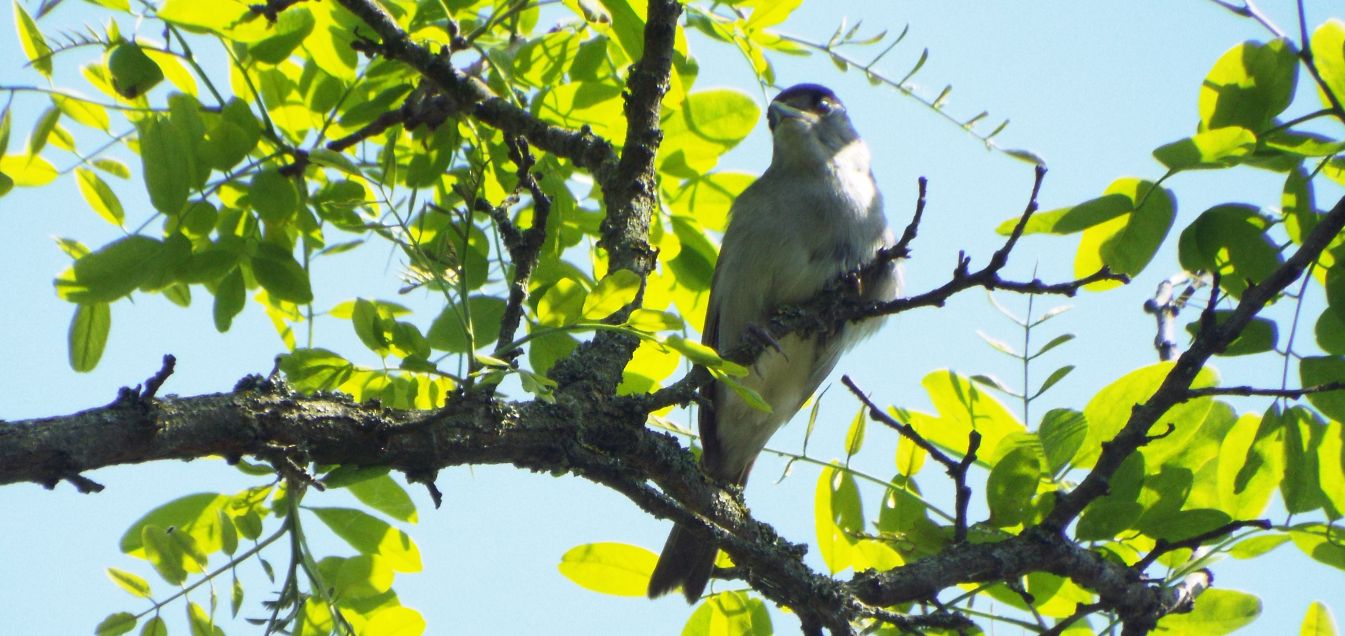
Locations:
{"points": [[687, 560]]}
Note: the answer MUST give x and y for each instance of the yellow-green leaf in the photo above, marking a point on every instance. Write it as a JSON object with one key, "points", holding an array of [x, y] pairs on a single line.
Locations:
{"points": [[130, 582], [116, 624], [30, 38], [609, 568], [729, 614], [613, 292], [371, 535], [1318, 621], [99, 196]]}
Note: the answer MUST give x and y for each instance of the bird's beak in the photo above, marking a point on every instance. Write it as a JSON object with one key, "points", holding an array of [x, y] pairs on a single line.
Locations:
{"points": [[780, 111]]}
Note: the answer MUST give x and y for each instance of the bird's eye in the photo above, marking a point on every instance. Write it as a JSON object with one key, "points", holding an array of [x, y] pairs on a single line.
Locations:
{"points": [[825, 106]]}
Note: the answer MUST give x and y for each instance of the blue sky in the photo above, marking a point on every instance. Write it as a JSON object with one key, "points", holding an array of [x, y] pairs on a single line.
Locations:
{"points": [[1090, 87]]}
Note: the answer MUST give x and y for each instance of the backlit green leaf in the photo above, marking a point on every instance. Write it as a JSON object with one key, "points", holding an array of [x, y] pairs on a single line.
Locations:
{"points": [[1009, 489], [88, 335], [280, 275], [1217, 611], [130, 582], [1216, 148], [111, 272], [1128, 242], [194, 515], [609, 568], [166, 159], [613, 292], [1328, 52], [30, 38], [99, 196], [116, 624], [1230, 239], [1317, 370], [1248, 86], [838, 514], [385, 495], [274, 196], [1318, 621], [371, 535], [729, 614]]}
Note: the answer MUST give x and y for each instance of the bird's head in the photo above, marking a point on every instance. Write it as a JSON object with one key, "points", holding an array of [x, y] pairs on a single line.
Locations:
{"points": [[810, 126]]}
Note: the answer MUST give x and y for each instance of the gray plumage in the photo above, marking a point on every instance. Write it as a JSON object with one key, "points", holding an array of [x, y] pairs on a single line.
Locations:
{"points": [[812, 215]]}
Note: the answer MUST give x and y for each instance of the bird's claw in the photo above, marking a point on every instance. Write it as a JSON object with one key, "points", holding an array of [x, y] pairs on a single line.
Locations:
{"points": [[763, 336]]}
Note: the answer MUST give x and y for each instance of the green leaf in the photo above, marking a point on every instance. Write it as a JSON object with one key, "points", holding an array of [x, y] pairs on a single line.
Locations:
{"points": [[1301, 487], [1250, 465], [1062, 432], [1327, 44], [708, 124], [1230, 239], [1072, 219], [201, 623], [618, 569], [838, 515], [561, 304], [653, 321], [1323, 542], [1056, 376], [230, 296], [132, 583], [1253, 547], [1009, 489], [614, 291], [1315, 370], [164, 553], [274, 196], [854, 438], [448, 333], [1128, 242], [287, 33], [729, 614], [1249, 85], [280, 275], [1260, 335], [1318, 621], [194, 515], [385, 495], [42, 129], [167, 161], [1217, 148], [1055, 342], [30, 38], [769, 14], [397, 620], [155, 626], [100, 197], [111, 272], [1109, 410], [362, 576], [371, 535], [115, 624], [963, 407], [133, 73], [1106, 518], [708, 197], [86, 113], [88, 335], [27, 170], [316, 369], [1216, 612]]}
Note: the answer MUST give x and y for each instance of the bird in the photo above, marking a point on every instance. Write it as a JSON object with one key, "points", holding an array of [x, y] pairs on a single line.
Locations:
{"points": [[813, 216]]}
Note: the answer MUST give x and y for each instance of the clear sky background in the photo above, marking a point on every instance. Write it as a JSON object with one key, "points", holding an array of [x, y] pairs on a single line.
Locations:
{"points": [[1092, 87]]}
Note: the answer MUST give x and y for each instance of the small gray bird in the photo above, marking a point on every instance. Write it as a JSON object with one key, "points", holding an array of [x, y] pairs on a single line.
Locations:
{"points": [[813, 215]]}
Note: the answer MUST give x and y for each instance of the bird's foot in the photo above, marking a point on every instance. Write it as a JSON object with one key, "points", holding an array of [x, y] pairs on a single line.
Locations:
{"points": [[763, 336]]}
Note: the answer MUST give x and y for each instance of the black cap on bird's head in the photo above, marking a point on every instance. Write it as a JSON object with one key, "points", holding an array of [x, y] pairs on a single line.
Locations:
{"points": [[811, 101]]}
